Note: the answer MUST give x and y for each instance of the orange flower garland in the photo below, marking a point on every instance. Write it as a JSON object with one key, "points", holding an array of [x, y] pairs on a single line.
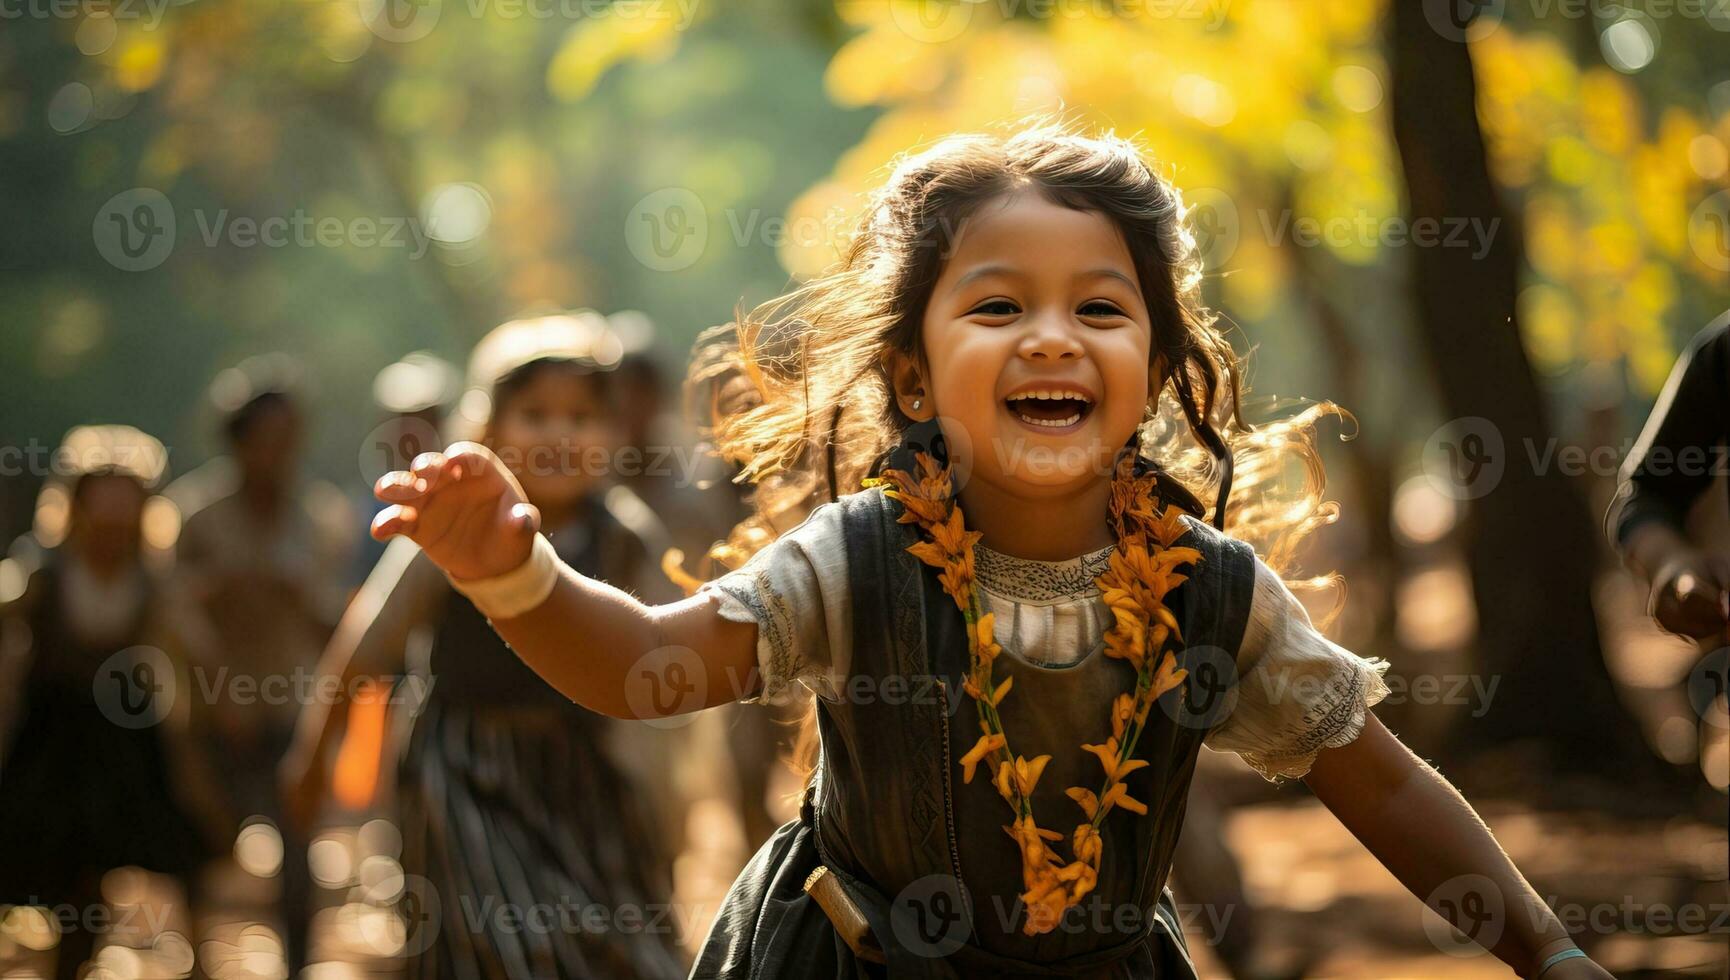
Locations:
{"points": [[1142, 570]]}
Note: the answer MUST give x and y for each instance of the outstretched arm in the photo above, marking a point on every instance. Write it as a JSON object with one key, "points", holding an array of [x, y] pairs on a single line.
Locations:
{"points": [[1430, 838], [598, 645]]}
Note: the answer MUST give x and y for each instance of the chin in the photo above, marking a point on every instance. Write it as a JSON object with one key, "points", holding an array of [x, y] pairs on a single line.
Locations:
{"points": [[555, 491], [1055, 460]]}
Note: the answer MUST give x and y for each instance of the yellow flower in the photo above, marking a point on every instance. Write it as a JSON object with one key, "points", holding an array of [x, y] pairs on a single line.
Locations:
{"points": [[1169, 676], [1122, 709], [986, 745], [1114, 768], [1089, 846], [1118, 795], [1005, 781], [1045, 905], [1088, 802], [985, 635], [1027, 773]]}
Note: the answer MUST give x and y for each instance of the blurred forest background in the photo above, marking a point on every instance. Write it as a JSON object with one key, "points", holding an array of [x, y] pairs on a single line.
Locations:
{"points": [[681, 157]]}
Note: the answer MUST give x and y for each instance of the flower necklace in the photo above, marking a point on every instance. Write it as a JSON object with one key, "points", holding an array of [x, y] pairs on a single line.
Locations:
{"points": [[1142, 570]]}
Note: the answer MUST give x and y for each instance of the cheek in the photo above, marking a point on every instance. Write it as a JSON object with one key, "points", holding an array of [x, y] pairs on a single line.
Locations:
{"points": [[1125, 365], [965, 365]]}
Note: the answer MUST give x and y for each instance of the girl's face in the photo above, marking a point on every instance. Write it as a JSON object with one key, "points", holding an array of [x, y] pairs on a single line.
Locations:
{"points": [[1036, 342], [552, 431]]}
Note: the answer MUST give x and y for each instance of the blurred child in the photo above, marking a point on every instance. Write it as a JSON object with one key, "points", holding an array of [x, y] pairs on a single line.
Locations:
{"points": [[509, 799], [97, 771]]}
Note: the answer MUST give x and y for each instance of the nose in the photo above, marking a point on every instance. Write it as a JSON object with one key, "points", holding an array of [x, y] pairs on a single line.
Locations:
{"points": [[1050, 337]]}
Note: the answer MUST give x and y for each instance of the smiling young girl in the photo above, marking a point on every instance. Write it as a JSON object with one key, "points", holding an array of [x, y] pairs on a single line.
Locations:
{"points": [[517, 817], [1018, 633]]}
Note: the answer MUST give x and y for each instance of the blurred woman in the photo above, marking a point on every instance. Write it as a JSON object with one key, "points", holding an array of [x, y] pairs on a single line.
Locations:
{"points": [[541, 859], [94, 774]]}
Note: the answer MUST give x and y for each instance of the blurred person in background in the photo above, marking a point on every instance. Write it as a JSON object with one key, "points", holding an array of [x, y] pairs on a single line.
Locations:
{"points": [[261, 559], [413, 394], [97, 769], [1679, 457], [692, 491], [510, 798]]}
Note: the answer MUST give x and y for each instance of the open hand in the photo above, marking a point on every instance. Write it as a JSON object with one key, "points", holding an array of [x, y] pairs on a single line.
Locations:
{"points": [[464, 509]]}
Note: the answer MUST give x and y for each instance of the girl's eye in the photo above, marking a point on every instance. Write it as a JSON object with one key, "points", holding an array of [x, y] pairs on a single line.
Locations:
{"points": [[1100, 307], [995, 307]]}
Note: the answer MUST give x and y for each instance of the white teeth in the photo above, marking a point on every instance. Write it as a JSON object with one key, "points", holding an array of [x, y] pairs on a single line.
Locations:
{"points": [[1052, 394], [1051, 423]]}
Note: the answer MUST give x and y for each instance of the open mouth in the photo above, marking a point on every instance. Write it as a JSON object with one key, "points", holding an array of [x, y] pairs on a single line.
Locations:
{"points": [[1049, 409]]}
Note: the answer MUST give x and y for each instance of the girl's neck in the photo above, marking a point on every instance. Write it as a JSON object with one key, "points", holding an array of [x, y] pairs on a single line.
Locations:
{"points": [[1049, 527]]}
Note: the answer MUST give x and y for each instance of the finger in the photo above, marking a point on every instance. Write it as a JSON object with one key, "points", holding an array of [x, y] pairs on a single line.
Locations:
{"points": [[394, 520], [466, 459], [525, 517], [1689, 586], [427, 466], [399, 487]]}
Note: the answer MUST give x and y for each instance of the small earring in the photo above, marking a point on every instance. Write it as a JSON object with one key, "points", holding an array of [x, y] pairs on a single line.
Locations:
{"points": [[916, 403]]}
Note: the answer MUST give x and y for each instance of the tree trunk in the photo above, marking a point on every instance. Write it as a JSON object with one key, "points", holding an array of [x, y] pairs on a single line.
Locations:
{"points": [[1531, 541]]}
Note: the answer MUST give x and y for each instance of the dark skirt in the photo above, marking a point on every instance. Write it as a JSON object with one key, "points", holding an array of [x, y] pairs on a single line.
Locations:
{"points": [[80, 795], [526, 854], [769, 928]]}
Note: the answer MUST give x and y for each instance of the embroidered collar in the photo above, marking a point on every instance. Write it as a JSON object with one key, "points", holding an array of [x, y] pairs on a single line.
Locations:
{"points": [[1031, 580]]}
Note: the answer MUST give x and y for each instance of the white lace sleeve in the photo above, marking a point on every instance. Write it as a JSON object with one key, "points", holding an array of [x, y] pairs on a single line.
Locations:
{"points": [[795, 591], [1298, 691]]}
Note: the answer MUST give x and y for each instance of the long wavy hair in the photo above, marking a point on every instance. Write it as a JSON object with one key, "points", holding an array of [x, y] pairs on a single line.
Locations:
{"points": [[798, 390]]}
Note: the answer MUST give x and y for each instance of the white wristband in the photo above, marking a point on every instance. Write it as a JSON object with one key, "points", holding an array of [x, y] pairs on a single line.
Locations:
{"points": [[517, 591]]}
